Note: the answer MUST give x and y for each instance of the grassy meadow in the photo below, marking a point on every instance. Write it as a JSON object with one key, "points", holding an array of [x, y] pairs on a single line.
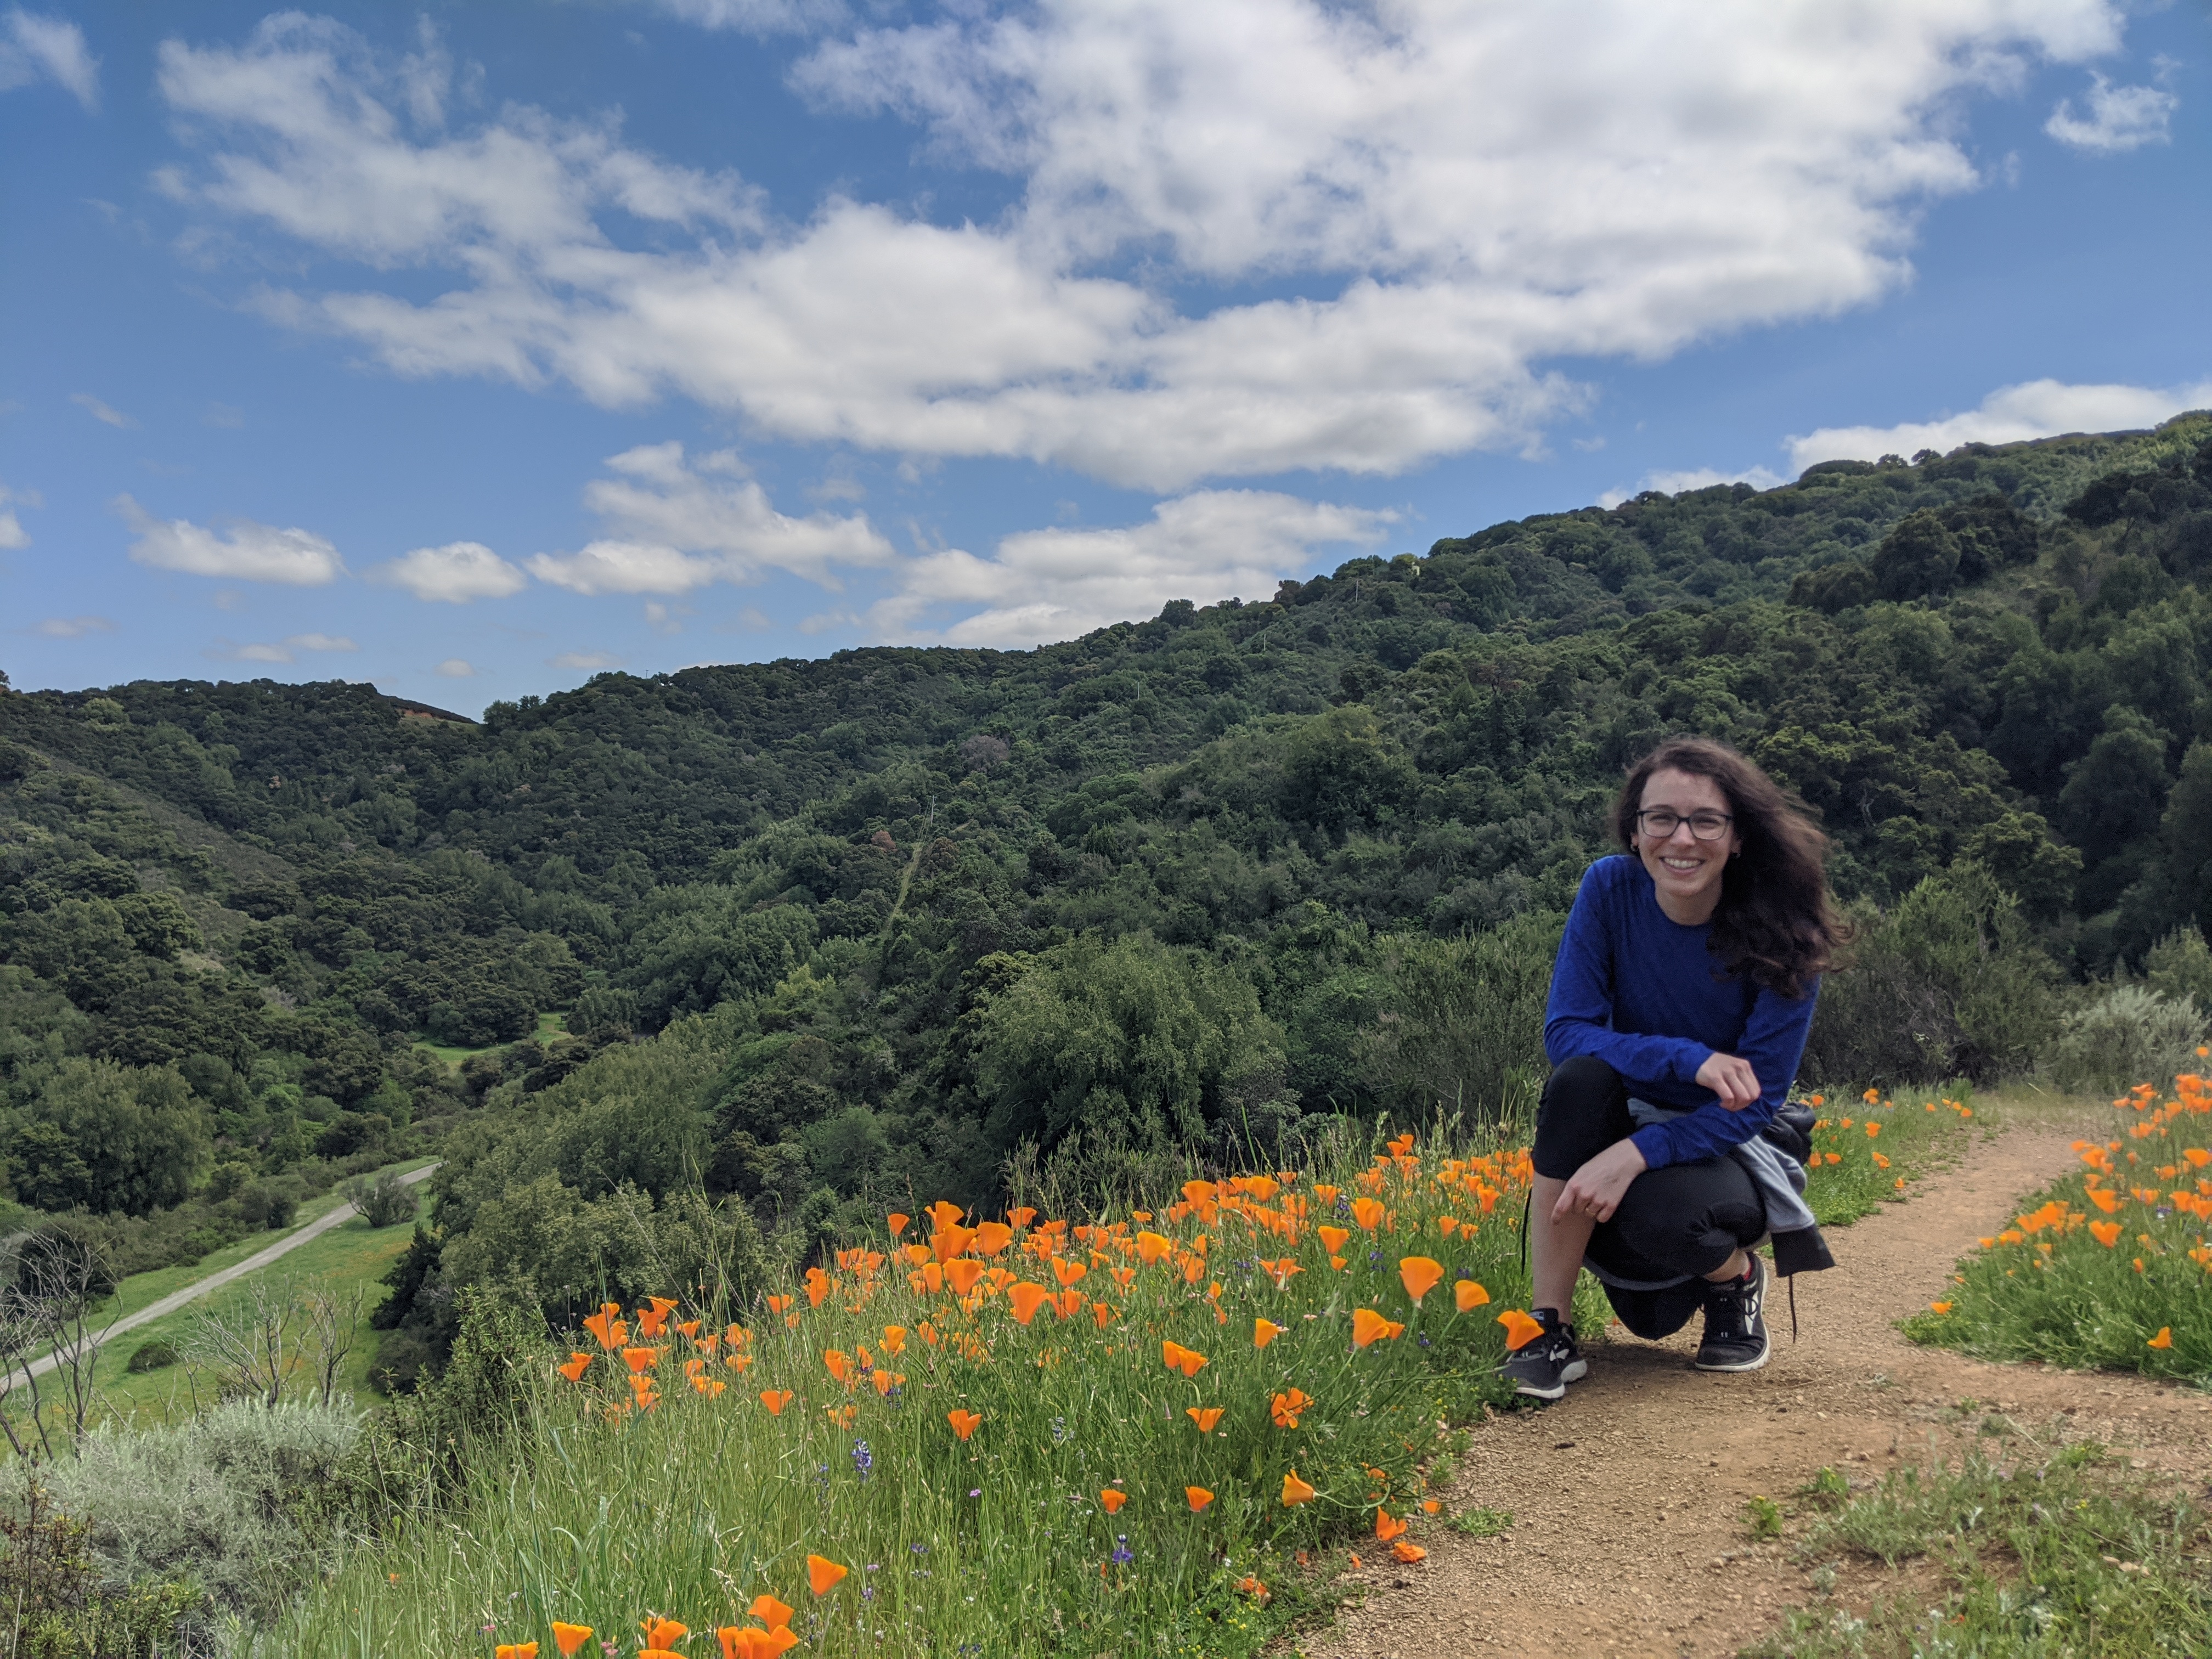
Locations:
{"points": [[2110, 1266], [1153, 1432]]}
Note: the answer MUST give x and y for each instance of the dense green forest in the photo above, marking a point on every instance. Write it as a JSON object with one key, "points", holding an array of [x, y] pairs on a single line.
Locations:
{"points": [[929, 922]]}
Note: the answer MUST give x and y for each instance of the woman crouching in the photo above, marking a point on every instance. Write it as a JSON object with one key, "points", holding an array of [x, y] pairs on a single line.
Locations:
{"points": [[1680, 1002]]}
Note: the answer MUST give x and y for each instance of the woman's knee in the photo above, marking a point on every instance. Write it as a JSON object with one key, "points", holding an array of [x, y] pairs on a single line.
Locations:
{"points": [[1691, 1217], [1583, 1111]]}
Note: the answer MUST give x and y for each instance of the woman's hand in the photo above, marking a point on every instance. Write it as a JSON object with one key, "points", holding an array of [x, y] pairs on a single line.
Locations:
{"points": [[1596, 1188], [1732, 1082]]}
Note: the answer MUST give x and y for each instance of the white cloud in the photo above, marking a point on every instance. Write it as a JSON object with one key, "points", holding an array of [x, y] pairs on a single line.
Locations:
{"points": [[584, 660], [285, 650], [1454, 195], [2120, 119], [758, 16], [2037, 408], [1044, 585], [12, 533], [32, 46], [679, 525], [74, 627], [244, 550], [104, 413], [456, 572], [1702, 478], [455, 668]]}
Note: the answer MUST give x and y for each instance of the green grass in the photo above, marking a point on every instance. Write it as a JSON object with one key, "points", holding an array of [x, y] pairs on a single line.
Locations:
{"points": [[2099, 1266], [1005, 1543], [350, 1254], [549, 1025], [2039, 1551], [143, 1290], [1868, 1153]]}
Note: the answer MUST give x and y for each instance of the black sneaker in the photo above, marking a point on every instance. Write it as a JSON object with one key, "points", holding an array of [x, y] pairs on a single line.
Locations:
{"points": [[1542, 1367], [1735, 1334]]}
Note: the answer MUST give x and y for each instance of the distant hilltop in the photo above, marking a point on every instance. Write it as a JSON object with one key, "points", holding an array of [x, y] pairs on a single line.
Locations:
{"points": [[411, 710]]}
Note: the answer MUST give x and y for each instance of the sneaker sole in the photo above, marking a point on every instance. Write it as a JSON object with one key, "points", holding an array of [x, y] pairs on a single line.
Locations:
{"points": [[1765, 1353], [1574, 1370], [1556, 1391]]}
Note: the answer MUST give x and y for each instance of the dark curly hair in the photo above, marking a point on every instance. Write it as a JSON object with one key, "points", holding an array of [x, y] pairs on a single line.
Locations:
{"points": [[1775, 922]]}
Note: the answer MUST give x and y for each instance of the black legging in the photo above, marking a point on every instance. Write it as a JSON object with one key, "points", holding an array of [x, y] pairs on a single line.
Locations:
{"points": [[1685, 1219]]}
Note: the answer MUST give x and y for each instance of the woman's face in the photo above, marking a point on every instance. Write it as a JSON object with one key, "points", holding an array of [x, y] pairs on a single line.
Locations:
{"points": [[1685, 871]]}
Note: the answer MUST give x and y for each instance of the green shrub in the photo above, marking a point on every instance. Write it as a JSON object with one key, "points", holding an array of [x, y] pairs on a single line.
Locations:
{"points": [[385, 1201], [2179, 966], [1948, 984], [233, 1501], [151, 1355], [1463, 1025], [2129, 1033]]}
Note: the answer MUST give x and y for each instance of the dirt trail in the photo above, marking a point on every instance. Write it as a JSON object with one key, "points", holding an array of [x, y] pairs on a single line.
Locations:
{"points": [[1629, 1493]]}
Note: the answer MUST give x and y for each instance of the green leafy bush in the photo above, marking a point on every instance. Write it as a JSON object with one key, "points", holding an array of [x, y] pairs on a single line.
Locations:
{"points": [[233, 1501], [2131, 1031]]}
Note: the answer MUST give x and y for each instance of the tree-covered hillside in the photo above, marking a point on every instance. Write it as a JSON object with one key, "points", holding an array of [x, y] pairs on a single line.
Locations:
{"points": [[910, 920]]}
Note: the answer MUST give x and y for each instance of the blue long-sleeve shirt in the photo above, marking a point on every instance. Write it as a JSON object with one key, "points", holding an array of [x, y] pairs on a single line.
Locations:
{"points": [[1644, 994]]}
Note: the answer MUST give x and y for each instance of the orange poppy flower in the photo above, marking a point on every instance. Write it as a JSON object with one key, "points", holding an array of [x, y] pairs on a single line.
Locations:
{"points": [[1333, 1237], [663, 1632], [1199, 1497], [779, 1303], [1430, 1505], [1447, 1224], [1368, 1213], [776, 1400], [992, 1238], [2106, 1233], [652, 1322], [515, 1651], [2163, 1340], [1367, 1327], [1520, 1329], [1205, 1416], [1265, 1331], [1111, 1500], [1067, 1304], [962, 1275], [1285, 1408], [1102, 1313], [569, 1638], [964, 1422], [1261, 1187], [640, 1360], [1468, 1296], [824, 1575], [1151, 1247], [1420, 1275], [1186, 1360], [1408, 1552], [657, 1653], [1939, 1308], [942, 1214], [573, 1371], [1387, 1526], [1067, 1272], [898, 1223], [769, 1611], [1297, 1491], [1026, 1298], [608, 1327], [840, 1362]]}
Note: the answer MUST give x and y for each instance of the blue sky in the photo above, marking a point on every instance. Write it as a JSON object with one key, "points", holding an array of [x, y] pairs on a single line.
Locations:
{"points": [[474, 348]]}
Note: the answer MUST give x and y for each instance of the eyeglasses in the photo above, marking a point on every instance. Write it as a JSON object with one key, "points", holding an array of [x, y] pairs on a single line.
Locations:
{"points": [[1659, 824]]}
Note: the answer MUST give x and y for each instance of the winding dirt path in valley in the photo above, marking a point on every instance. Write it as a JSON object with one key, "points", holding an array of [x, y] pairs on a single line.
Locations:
{"points": [[1629, 1494]]}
